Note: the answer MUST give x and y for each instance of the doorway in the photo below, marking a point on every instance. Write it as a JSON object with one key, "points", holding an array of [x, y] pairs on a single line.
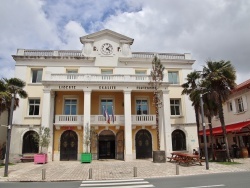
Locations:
{"points": [[143, 143], [68, 146], [106, 145]]}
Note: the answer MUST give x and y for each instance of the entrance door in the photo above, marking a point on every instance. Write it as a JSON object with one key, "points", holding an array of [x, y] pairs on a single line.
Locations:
{"points": [[143, 144], [68, 146], [106, 145]]}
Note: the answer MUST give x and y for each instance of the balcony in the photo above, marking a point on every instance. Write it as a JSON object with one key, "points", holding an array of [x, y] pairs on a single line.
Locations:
{"points": [[98, 78], [77, 120]]}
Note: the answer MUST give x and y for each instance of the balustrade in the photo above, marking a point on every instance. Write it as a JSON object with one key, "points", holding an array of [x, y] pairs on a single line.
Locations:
{"points": [[101, 120]]}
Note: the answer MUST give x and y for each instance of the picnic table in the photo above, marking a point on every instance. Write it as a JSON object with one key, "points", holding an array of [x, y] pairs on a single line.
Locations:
{"points": [[184, 158]]}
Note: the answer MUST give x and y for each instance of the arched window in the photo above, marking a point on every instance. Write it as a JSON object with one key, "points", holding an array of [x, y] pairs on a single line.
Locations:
{"points": [[30, 143], [178, 140]]}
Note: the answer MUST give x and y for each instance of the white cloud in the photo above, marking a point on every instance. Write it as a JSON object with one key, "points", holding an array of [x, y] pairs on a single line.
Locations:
{"points": [[208, 29], [72, 33]]}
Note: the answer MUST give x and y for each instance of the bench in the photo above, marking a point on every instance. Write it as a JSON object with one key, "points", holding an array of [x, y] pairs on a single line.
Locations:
{"points": [[27, 159]]}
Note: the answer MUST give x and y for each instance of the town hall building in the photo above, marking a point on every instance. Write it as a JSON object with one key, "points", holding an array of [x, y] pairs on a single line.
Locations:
{"points": [[104, 88]]}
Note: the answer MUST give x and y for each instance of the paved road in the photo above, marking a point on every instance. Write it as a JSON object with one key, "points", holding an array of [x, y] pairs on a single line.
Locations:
{"points": [[129, 183], [112, 169], [220, 180]]}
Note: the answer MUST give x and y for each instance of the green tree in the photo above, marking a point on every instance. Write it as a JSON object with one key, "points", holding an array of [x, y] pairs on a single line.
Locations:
{"points": [[9, 87], [220, 79], [210, 110], [157, 75], [191, 88]]}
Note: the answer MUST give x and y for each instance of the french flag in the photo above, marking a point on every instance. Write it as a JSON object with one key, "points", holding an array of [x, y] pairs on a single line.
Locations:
{"points": [[107, 116], [113, 117]]}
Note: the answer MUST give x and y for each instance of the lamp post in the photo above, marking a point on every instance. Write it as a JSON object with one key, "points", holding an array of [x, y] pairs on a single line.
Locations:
{"points": [[204, 132], [9, 135]]}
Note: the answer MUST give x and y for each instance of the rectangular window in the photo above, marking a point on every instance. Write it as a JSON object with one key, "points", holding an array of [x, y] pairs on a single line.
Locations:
{"points": [[140, 74], [37, 75], [70, 106], [106, 74], [72, 73], [240, 106], [34, 105], [230, 106], [106, 71], [141, 107], [173, 77], [175, 107], [107, 104]]}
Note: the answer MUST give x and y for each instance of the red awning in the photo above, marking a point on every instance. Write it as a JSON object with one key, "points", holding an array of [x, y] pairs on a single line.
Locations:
{"points": [[235, 127]]}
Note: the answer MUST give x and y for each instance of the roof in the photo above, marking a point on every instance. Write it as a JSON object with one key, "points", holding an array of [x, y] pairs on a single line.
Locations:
{"points": [[106, 32], [241, 86]]}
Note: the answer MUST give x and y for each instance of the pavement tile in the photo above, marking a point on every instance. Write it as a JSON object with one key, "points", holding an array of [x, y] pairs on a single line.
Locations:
{"points": [[112, 169]]}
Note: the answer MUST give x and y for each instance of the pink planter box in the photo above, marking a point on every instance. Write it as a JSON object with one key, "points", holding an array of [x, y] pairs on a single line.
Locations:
{"points": [[40, 158]]}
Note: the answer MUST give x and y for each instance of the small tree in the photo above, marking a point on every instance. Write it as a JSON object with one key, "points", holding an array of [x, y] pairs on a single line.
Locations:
{"points": [[43, 138], [157, 75], [88, 134]]}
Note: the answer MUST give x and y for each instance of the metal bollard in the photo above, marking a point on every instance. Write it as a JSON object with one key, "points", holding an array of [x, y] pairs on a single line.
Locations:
{"points": [[177, 169], [90, 173], [43, 174], [135, 171]]}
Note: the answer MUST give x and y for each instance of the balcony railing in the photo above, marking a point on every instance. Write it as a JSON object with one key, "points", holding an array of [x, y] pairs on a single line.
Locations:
{"points": [[78, 53], [69, 119], [98, 77], [100, 120]]}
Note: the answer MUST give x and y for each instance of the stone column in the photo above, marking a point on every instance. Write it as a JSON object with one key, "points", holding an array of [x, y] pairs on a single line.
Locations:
{"points": [[128, 155], [86, 112], [166, 122], [52, 115], [47, 120]]}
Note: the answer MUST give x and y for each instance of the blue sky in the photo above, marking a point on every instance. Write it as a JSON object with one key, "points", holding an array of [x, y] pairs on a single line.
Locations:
{"points": [[208, 29]]}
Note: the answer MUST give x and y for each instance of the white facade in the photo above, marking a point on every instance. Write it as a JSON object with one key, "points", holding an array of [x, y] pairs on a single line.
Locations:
{"points": [[76, 87]]}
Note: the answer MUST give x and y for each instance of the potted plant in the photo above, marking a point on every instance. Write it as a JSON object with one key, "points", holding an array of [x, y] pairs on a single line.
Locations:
{"points": [[86, 156], [43, 140]]}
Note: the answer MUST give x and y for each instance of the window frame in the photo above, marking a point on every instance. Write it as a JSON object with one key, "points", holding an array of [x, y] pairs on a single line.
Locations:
{"points": [[177, 77], [32, 75], [29, 106], [142, 98], [179, 105], [239, 105], [101, 106], [70, 98]]}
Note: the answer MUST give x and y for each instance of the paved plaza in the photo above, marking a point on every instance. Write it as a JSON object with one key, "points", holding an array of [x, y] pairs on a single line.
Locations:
{"points": [[111, 169]]}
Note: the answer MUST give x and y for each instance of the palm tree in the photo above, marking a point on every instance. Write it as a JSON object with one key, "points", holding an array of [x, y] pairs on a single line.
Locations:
{"points": [[157, 75], [210, 110], [191, 89], [220, 77], [9, 89]]}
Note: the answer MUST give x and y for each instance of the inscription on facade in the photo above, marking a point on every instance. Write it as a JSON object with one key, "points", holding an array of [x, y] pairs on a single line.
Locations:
{"points": [[67, 87], [107, 87], [144, 87]]}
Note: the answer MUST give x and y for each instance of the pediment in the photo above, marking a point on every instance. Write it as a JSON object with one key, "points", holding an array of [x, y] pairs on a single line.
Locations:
{"points": [[106, 32]]}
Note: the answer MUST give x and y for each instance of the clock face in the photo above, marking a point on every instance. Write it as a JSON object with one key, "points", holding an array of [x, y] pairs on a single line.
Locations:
{"points": [[107, 49]]}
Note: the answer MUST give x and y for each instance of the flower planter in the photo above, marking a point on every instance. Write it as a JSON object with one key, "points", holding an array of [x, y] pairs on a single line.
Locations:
{"points": [[86, 158], [40, 158]]}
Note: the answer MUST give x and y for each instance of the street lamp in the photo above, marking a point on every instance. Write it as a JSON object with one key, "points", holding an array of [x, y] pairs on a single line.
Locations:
{"points": [[9, 135], [204, 132]]}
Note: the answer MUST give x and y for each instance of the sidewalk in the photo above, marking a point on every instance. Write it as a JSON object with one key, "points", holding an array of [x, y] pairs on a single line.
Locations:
{"points": [[111, 169]]}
